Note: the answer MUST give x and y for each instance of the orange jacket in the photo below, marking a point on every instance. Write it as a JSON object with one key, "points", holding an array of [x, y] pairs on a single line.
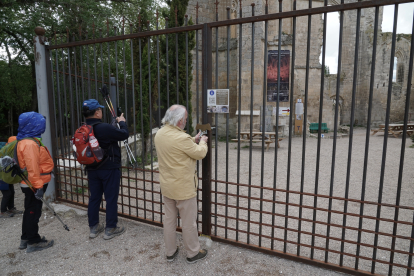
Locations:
{"points": [[37, 161]]}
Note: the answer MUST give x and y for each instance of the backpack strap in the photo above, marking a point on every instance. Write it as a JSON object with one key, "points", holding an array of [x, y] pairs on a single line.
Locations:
{"points": [[106, 156]]}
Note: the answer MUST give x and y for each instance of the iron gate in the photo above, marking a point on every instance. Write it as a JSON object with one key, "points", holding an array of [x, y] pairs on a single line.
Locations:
{"points": [[261, 200]]}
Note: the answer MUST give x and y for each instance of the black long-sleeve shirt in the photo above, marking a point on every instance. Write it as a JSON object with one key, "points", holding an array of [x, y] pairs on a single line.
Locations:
{"points": [[108, 137]]}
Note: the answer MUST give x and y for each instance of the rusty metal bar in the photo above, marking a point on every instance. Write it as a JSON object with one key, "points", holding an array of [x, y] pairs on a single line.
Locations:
{"points": [[314, 208], [94, 63], [338, 90], [387, 121], [402, 155], [186, 72], [168, 65], [239, 113], [150, 116], [290, 256], [316, 235], [216, 85], [116, 72], [368, 132], [126, 101], [264, 108], [227, 116], [289, 164], [279, 54], [158, 76], [289, 14], [71, 113], [177, 80], [410, 75], [351, 130], [206, 163], [87, 67], [251, 121], [52, 110], [305, 117], [143, 153], [134, 109]]}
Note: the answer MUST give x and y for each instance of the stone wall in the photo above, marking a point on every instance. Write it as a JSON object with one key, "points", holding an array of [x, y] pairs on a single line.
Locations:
{"points": [[207, 13]]}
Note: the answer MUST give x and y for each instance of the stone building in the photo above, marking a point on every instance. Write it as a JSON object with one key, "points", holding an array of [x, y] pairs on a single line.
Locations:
{"points": [[207, 13]]}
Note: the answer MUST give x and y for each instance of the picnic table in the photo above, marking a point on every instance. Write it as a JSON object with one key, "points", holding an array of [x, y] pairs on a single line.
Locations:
{"points": [[395, 129], [270, 137]]}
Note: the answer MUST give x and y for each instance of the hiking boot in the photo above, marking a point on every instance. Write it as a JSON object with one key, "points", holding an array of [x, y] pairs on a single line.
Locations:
{"points": [[172, 257], [201, 255], [96, 230], [23, 243], [39, 246], [113, 232], [6, 214], [15, 211]]}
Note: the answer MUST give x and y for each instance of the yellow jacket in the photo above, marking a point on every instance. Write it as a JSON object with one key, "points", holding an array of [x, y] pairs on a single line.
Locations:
{"points": [[177, 155]]}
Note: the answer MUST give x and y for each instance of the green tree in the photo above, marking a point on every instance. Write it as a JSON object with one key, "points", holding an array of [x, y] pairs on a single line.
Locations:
{"points": [[17, 22], [179, 7], [143, 71]]}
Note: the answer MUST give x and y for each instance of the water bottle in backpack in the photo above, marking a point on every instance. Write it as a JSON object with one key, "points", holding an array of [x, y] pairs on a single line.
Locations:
{"points": [[96, 149]]}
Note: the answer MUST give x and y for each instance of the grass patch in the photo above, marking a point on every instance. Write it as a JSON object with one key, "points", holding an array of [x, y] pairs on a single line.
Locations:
{"points": [[80, 190]]}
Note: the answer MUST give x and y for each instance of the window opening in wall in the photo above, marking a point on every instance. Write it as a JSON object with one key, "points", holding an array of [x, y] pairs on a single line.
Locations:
{"points": [[400, 73], [394, 71], [332, 43]]}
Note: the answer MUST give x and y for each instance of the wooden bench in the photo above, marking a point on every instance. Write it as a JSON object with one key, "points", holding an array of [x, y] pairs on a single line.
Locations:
{"points": [[268, 142], [269, 138], [395, 129]]}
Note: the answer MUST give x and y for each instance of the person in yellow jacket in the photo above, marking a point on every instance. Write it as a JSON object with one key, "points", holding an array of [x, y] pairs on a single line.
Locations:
{"points": [[33, 156], [7, 202], [177, 154]]}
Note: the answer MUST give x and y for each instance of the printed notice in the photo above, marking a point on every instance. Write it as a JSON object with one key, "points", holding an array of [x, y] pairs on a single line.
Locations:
{"points": [[218, 101]]}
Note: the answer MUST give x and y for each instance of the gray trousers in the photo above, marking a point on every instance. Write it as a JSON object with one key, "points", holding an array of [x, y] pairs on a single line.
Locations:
{"points": [[188, 215]]}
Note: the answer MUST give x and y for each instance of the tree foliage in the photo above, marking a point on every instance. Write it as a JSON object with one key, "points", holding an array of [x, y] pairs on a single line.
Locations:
{"points": [[88, 19], [167, 94]]}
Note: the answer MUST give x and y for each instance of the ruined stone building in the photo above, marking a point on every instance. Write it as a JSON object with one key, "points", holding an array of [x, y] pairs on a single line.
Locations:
{"points": [[207, 13]]}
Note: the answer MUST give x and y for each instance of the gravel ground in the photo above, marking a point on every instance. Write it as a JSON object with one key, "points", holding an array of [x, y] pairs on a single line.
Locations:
{"points": [[147, 254], [140, 251], [251, 173]]}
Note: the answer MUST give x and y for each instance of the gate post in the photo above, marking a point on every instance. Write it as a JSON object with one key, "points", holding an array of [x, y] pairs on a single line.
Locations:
{"points": [[43, 98], [206, 118]]}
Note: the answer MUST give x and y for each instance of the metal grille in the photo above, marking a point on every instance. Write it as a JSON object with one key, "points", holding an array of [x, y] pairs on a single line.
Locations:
{"points": [[303, 201]]}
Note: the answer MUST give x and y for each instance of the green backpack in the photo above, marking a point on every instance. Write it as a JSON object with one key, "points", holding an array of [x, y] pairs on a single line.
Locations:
{"points": [[11, 150]]}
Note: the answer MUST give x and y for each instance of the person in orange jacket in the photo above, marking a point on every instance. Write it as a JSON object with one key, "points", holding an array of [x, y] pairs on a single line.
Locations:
{"points": [[7, 202], [33, 156]]}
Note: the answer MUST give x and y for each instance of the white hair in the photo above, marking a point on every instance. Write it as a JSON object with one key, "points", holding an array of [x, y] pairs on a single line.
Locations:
{"points": [[174, 114]]}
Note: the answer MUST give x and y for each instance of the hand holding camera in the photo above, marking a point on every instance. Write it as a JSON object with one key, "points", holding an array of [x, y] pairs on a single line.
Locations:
{"points": [[121, 118]]}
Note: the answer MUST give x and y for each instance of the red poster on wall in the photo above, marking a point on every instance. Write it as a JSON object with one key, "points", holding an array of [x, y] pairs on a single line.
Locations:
{"points": [[272, 76]]}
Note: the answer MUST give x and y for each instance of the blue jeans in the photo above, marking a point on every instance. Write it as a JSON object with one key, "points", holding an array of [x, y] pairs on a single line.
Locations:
{"points": [[104, 182]]}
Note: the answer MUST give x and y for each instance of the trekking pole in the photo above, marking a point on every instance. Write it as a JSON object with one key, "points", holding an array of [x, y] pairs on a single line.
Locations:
{"points": [[15, 169], [105, 95]]}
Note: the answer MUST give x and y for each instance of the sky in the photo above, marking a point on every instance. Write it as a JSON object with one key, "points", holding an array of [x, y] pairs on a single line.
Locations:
{"points": [[404, 25]]}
